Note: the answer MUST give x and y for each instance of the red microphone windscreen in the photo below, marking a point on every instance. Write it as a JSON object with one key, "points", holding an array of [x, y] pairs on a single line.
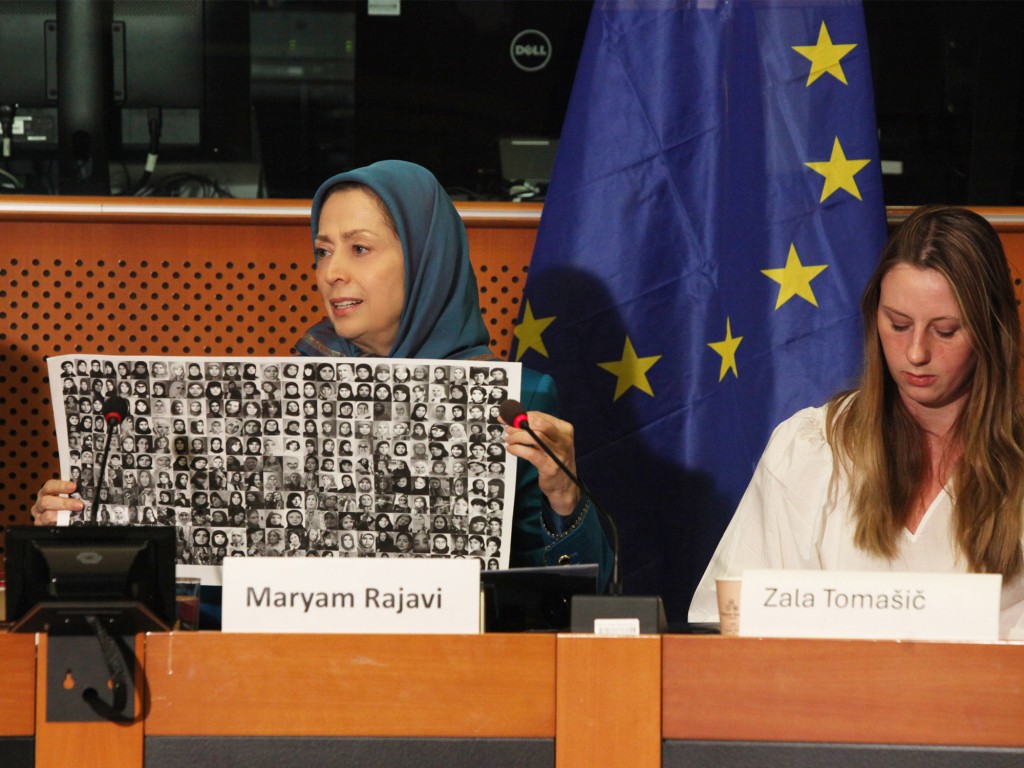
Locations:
{"points": [[115, 408], [512, 412]]}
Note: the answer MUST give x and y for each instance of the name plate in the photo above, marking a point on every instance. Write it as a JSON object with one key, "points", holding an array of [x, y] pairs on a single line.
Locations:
{"points": [[358, 595], [870, 605]]}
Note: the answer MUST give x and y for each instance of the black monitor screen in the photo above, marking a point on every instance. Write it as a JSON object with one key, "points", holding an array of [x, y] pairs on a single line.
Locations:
{"points": [[534, 599], [57, 576]]}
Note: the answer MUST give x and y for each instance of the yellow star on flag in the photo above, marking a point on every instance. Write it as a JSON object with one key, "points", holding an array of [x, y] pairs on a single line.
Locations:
{"points": [[794, 279], [727, 349], [838, 172], [825, 57], [631, 371], [529, 333]]}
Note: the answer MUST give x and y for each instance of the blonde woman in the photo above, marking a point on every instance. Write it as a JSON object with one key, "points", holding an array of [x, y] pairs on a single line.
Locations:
{"points": [[921, 467]]}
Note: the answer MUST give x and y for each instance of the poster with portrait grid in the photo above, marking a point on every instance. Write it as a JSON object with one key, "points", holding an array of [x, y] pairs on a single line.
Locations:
{"points": [[293, 457]]}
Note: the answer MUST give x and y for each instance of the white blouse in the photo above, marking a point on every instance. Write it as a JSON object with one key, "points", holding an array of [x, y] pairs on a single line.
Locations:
{"points": [[789, 517]]}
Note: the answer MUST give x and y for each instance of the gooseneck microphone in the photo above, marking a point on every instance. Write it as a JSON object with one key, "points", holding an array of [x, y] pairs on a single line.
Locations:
{"points": [[115, 408], [513, 413]]}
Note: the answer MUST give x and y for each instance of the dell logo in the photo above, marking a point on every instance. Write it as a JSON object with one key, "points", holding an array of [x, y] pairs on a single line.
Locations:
{"points": [[530, 50], [89, 558]]}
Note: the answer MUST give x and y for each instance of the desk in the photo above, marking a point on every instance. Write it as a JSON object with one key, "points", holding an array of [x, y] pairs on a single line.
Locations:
{"points": [[423, 700], [17, 699], [496, 700], [754, 701], [544, 700]]}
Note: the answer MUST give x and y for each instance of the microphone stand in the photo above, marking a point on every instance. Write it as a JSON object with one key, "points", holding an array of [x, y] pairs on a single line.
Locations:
{"points": [[115, 408], [117, 657], [614, 613]]}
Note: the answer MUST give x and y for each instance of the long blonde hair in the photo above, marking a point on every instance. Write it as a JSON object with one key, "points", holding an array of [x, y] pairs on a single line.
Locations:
{"points": [[882, 449]]}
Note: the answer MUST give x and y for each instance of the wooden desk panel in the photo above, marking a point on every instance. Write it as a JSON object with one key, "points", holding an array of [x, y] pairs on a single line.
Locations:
{"points": [[487, 686], [602, 699], [86, 744], [843, 691], [609, 702], [17, 684]]}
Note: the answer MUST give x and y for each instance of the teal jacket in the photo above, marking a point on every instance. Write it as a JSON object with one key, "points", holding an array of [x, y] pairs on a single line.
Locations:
{"points": [[539, 535]]}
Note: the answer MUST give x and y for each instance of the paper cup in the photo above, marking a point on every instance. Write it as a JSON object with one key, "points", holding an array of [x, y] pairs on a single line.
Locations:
{"points": [[728, 590]]}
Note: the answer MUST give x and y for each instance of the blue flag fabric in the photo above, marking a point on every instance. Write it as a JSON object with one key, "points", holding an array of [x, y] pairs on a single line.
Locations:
{"points": [[714, 213]]}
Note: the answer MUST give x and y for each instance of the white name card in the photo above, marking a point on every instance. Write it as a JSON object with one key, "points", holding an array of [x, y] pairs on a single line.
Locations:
{"points": [[870, 605], [359, 595]]}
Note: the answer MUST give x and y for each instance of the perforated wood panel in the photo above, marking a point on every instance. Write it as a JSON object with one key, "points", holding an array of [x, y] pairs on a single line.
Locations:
{"points": [[501, 290], [140, 280]]}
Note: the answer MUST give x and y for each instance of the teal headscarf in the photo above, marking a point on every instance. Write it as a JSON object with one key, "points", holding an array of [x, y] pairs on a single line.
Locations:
{"points": [[441, 317]]}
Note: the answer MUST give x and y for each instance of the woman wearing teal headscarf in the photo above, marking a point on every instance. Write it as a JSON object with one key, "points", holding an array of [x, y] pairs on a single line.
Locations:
{"points": [[393, 269], [440, 313]]}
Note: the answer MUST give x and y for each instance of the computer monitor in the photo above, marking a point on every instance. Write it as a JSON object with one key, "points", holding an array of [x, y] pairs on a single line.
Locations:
{"points": [[527, 159], [122, 576], [184, 63], [534, 599]]}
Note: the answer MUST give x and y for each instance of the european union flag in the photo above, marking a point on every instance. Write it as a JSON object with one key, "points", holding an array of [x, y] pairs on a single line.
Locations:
{"points": [[714, 213]]}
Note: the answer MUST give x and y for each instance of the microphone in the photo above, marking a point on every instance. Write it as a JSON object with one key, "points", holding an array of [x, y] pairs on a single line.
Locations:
{"points": [[614, 613], [513, 413], [115, 408]]}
